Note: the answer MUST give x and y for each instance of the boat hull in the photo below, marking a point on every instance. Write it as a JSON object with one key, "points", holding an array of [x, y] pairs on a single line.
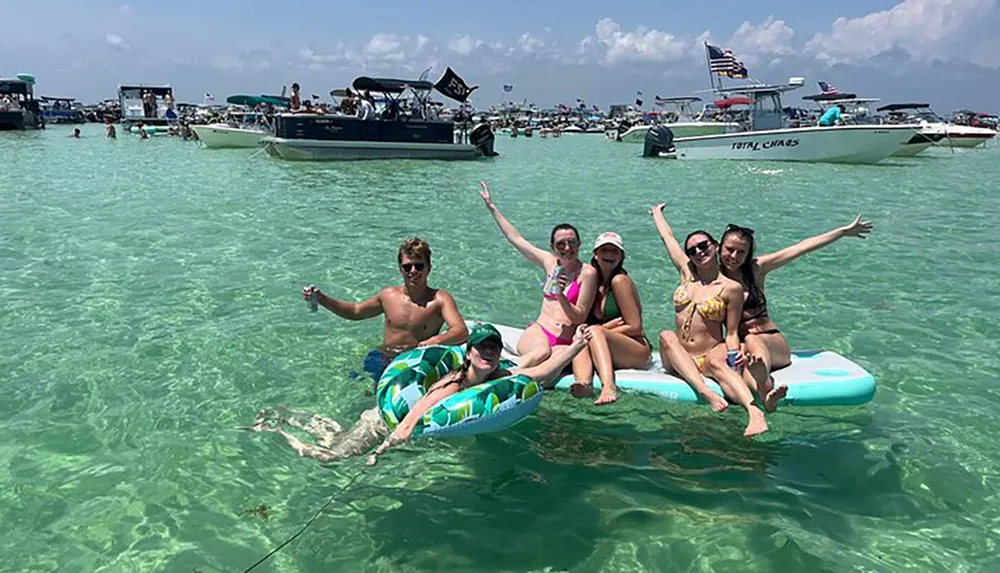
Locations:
{"points": [[842, 144], [967, 139], [228, 137], [637, 134], [321, 150]]}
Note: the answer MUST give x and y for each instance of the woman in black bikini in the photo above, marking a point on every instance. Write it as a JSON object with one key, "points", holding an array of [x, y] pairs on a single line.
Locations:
{"points": [[766, 347]]}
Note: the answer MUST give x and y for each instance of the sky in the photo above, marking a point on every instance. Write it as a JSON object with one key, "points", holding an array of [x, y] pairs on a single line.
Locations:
{"points": [[939, 51]]}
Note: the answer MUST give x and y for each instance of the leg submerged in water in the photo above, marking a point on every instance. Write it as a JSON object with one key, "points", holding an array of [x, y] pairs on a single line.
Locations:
{"points": [[362, 437], [735, 388]]}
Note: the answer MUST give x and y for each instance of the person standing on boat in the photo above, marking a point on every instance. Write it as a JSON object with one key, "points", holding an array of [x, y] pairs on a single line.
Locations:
{"points": [[833, 116], [766, 346], [295, 102], [414, 312], [567, 303], [366, 109], [707, 310]]}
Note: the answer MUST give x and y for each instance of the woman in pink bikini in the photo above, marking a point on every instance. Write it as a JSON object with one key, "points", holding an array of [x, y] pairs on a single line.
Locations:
{"points": [[563, 312]]}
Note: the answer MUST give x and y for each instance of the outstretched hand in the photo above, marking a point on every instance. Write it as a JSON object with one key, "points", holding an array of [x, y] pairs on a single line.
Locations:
{"points": [[658, 208], [582, 335], [308, 291], [858, 228], [485, 194]]}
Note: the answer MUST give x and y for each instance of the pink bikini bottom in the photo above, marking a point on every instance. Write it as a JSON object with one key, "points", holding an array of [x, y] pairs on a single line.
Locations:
{"points": [[553, 339]]}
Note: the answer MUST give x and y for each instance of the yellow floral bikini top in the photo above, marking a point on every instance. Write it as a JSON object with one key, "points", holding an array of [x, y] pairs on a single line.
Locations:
{"points": [[713, 309]]}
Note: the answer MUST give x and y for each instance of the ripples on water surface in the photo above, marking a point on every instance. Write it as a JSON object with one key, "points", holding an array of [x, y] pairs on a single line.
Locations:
{"points": [[151, 306]]}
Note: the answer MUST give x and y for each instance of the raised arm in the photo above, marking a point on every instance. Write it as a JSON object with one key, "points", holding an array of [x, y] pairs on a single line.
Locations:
{"points": [[674, 249], [457, 331], [537, 256], [588, 291], [546, 372], [349, 310], [774, 261]]}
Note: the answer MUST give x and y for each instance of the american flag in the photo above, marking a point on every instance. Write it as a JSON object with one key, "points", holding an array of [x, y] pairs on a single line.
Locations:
{"points": [[828, 88], [720, 61], [723, 62]]}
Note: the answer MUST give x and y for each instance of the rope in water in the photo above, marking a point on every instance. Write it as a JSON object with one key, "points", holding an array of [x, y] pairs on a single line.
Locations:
{"points": [[307, 524]]}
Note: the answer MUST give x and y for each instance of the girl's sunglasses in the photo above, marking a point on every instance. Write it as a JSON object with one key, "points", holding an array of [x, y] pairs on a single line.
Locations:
{"points": [[702, 246], [572, 243], [407, 267]]}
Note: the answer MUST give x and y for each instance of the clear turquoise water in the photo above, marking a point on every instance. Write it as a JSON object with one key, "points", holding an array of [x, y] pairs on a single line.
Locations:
{"points": [[151, 306]]}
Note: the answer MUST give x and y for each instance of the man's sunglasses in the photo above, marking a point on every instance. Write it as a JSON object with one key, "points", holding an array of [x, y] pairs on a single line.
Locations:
{"points": [[702, 246], [738, 229], [407, 267]]}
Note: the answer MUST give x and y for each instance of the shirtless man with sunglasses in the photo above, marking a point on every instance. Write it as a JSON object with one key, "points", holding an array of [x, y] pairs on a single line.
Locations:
{"points": [[414, 312]]}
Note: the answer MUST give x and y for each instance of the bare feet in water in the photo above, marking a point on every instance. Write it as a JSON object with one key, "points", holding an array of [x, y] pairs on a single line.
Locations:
{"points": [[757, 425], [609, 394], [581, 390], [772, 397], [718, 403], [765, 383]]}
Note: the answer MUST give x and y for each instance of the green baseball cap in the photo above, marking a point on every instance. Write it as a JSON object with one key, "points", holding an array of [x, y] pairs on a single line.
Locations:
{"points": [[483, 332]]}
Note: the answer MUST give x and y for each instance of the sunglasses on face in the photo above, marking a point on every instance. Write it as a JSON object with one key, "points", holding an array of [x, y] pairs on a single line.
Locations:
{"points": [[702, 246], [738, 229], [572, 243], [407, 267], [489, 347]]}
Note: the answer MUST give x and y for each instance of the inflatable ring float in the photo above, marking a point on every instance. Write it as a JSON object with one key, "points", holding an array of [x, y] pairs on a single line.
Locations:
{"points": [[487, 407]]}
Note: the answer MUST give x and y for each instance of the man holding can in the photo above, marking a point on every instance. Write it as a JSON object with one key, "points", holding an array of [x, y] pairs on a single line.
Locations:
{"points": [[414, 312]]}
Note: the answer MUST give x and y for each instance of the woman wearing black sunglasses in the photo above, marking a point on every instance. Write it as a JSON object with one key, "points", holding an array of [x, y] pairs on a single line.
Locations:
{"points": [[707, 308], [565, 308], [765, 345]]}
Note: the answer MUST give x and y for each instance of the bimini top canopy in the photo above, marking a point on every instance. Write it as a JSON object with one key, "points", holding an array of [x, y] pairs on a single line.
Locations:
{"points": [[830, 97], [389, 86], [11, 87], [902, 106], [157, 90], [254, 101], [680, 99], [730, 102]]}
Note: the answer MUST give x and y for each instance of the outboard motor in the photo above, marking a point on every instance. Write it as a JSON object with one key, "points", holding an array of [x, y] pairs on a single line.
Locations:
{"points": [[483, 139], [659, 139]]}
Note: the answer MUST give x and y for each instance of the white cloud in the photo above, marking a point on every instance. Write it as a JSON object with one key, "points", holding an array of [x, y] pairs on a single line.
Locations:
{"points": [[382, 44], [117, 43], [462, 45], [770, 37], [530, 44], [919, 27], [643, 44], [421, 42]]}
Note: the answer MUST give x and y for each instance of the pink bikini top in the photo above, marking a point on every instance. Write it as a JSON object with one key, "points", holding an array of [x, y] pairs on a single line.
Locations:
{"points": [[572, 291]]}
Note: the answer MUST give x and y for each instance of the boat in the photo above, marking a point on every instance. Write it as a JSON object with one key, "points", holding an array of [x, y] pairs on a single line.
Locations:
{"points": [[683, 122], [396, 133], [61, 110], [133, 110], [959, 136], [814, 378], [858, 112], [19, 110], [243, 129], [768, 138]]}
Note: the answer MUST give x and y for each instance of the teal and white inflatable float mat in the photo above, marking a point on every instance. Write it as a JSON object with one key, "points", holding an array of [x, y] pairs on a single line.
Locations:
{"points": [[814, 378]]}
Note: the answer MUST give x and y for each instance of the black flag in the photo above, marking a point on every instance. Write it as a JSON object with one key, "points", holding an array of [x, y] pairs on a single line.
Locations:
{"points": [[453, 86]]}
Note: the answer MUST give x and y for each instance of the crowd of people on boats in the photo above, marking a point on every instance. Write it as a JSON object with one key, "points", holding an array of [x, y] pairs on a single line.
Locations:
{"points": [[590, 320]]}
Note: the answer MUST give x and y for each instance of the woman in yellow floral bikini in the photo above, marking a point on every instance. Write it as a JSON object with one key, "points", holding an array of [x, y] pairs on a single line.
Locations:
{"points": [[704, 303]]}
